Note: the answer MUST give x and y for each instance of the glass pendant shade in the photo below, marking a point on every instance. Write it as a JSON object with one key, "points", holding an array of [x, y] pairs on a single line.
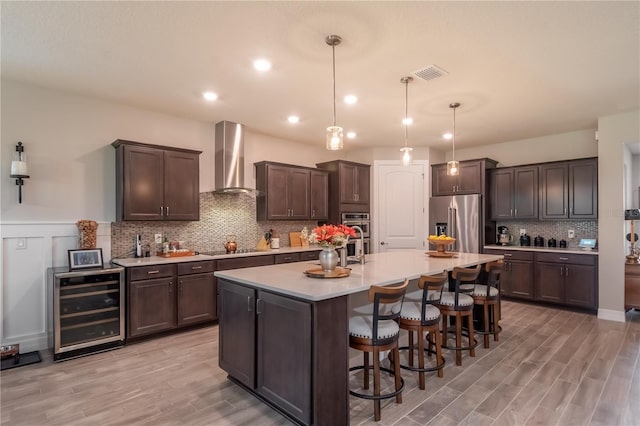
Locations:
{"points": [[335, 138], [406, 155], [406, 150], [453, 168]]}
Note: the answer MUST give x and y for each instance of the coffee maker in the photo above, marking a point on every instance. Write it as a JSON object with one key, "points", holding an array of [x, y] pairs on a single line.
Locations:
{"points": [[503, 237]]}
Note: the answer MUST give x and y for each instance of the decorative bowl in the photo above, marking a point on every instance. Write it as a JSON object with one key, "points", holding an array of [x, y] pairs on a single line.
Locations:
{"points": [[441, 243]]}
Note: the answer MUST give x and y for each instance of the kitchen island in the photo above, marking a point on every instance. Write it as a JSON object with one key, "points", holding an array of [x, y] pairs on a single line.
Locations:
{"points": [[284, 336]]}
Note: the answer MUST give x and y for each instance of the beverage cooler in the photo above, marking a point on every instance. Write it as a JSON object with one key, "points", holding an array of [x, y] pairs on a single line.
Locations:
{"points": [[88, 311]]}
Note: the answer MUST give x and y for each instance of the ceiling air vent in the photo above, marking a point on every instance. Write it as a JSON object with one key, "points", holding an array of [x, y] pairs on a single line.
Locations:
{"points": [[430, 72]]}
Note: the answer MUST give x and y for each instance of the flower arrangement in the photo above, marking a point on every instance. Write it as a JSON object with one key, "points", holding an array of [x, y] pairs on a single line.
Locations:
{"points": [[331, 236]]}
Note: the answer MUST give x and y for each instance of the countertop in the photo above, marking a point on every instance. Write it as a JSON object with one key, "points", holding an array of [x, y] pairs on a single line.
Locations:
{"points": [[159, 260], [570, 250], [379, 269]]}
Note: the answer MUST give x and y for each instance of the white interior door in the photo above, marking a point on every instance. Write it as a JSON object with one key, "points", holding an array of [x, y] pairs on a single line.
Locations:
{"points": [[399, 210]]}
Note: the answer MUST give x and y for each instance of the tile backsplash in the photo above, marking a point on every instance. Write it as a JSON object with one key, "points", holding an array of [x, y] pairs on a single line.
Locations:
{"points": [[220, 215], [553, 229]]}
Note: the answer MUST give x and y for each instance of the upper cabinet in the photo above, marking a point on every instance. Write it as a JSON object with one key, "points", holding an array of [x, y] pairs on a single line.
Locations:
{"points": [[470, 179], [156, 183], [288, 192], [349, 187], [514, 193], [569, 190]]}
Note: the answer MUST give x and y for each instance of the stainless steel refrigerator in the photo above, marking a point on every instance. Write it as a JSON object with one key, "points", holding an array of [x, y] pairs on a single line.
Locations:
{"points": [[458, 216]]}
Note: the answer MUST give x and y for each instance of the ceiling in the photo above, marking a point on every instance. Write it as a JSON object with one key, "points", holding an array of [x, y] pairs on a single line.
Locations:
{"points": [[519, 69]]}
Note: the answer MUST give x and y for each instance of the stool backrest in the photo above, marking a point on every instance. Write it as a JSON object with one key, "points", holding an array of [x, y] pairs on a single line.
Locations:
{"points": [[387, 303], [431, 286], [493, 270], [464, 276]]}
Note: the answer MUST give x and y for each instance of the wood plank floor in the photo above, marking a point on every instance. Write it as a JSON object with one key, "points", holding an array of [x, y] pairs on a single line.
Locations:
{"points": [[550, 367]]}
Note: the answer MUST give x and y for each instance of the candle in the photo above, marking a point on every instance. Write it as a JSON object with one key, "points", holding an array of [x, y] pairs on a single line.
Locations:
{"points": [[19, 168]]}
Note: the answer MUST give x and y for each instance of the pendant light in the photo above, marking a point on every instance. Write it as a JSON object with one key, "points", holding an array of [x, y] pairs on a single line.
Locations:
{"points": [[453, 167], [406, 150], [335, 138]]}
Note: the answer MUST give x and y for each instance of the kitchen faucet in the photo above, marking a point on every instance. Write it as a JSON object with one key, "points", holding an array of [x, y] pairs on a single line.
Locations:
{"points": [[360, 255]]}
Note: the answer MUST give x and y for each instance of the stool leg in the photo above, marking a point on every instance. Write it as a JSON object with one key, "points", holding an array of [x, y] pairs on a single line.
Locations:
{"points": [[421, 357], [459, 339], [486, 324], [438, 339], [496, 321], [376, 383], [366, 370], [444, 330], [397, 374], [472, 351], [411, 348]]}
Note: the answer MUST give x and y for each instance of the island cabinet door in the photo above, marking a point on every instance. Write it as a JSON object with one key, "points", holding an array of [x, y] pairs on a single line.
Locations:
{"points": [[236, 319], [284, 354]]}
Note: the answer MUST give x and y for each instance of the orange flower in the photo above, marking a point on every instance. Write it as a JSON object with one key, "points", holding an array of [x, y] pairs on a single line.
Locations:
{"points": [[331, 236]]}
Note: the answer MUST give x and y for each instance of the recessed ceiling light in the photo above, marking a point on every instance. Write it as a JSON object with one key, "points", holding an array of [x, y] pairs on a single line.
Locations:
{"points": [[293, 119], [351, 99], [210, 96], [351, 135], [262, 65], [447, 136], [407, 121]]}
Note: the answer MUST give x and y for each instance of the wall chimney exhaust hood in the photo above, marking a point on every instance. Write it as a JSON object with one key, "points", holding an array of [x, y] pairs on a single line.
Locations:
{"points": [[229, 159]]}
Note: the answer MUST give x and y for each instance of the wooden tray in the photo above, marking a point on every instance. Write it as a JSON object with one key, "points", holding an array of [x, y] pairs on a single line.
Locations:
{"points": [[175, 254], [336, 273], [441, 254]]}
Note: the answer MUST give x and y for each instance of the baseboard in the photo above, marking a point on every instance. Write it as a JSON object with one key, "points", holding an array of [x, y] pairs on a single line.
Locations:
{"points": [[611, 315], [29, 343]]}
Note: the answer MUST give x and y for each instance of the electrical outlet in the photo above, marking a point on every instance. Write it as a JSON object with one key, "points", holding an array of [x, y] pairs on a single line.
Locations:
{"points": [[21, 243], [523, 231], [571, 233], [158, 238]]}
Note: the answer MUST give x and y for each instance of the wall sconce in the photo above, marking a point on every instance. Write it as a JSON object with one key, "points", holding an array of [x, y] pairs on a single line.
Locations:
{"points": [[632, 215], [19, 170]]}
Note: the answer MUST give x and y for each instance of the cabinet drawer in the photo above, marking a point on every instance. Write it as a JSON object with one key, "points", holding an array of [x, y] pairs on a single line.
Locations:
{"points": [[309, 255], [154, 271], [287, 258], [576, 259], [196, 267], [243, 262], [512, 254]]}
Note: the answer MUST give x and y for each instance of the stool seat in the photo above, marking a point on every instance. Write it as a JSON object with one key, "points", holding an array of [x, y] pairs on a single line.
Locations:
{"points": [[479, 290], [362, 326], [417, 295], [412, 311], [449, 299]]}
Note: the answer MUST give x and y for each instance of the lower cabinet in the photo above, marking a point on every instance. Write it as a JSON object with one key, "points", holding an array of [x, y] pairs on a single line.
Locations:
{"points": [[567, 279], [516, 279], [265, 344], [197, 295]]}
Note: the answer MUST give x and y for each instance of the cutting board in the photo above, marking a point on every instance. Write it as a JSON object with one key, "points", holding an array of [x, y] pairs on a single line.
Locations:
{"points": [[296, 240]]}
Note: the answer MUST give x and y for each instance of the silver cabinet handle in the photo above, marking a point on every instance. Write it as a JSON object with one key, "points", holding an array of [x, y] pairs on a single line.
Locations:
{"points": [[507, 255], [153, 272], [564, 258], [561, 270], [566, 271], [565, 210], [180, 286], [196, 267], [516, 212], [249, 304], [170, 287], [161, 210], [167, 210], [258, 306]]}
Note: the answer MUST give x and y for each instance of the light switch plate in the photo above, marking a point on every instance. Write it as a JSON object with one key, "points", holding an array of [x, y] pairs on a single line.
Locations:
{"points": [[571, 233], [158, 238], [523, 231]]}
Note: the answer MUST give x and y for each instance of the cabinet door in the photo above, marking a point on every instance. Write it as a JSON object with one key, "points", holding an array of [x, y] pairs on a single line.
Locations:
{"points": [[319, 195], [470, 178], [502, 194], [362, 186], [277, 207], [143, 178], [583, 189], [347, 174], [550, 282], [442, 184], [580, 286], [151, 306], [196, 299], [284, 354], [520, 279], [298, 193], [525, 192], [181, 186], [554, 191], [236, 348]]}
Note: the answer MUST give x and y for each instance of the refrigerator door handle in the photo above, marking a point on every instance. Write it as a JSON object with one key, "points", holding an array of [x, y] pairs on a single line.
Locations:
{"points": [[452, 222]]}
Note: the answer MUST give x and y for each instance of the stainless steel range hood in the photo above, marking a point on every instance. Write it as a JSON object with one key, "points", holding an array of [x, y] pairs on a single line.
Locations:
{"points": [[229, 159]]}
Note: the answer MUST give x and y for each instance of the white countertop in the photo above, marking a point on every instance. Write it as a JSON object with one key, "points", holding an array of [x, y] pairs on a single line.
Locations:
{"points": [[159, 260], [570, 250], [380, 269]]}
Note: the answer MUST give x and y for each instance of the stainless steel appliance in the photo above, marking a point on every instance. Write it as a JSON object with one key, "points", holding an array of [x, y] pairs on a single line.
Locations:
{"points": [[504, 237], [358, 219], [460, 217]]}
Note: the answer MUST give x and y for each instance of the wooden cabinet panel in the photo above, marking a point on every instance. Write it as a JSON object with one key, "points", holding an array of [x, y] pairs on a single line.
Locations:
{"points": [[276, 192], [349, 187], [501, 194], [151, 306], [442, 184], [550, 282], [298, 194], [580, 286], [525, 193], [243, 262], [569, 190], [567, 279], [516, 279], [319, 195], [309, 255], [286, 258], [470, 179], [196, 298], [554, 192], [632, 286], [156, 183], [201, 267]]}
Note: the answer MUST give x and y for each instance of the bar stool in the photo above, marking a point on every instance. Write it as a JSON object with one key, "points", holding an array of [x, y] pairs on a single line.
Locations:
{"points": [[488, 296], [378, 332], [459, 305], [420, 315]]}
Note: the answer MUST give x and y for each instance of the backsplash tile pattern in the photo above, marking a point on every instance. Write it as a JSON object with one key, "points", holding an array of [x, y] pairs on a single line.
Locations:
{"points": [[553, 229], [220, 215]]}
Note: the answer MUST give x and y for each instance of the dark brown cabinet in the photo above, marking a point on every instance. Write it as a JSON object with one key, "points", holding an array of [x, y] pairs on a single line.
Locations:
{"points": [[197, 295], [632, 286], [470, 179], [569, 190], [567, 279], [265, 345], [514, 193], [289, 192], [516, 279], [156, 183], [349, 187]]}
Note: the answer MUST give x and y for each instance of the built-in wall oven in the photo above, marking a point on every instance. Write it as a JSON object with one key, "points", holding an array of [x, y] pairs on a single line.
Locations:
{"points": [[363, 222]]}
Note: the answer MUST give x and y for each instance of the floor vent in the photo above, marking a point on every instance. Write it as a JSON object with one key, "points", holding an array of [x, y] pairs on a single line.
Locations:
{"points": [[430, 72]]}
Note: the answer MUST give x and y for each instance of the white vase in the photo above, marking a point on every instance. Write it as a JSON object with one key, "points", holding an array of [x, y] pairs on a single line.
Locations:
{"points": [[329, 259]]}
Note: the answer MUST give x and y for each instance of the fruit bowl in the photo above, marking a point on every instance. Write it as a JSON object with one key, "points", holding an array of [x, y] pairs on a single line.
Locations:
{"points": [[441, 242]]}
